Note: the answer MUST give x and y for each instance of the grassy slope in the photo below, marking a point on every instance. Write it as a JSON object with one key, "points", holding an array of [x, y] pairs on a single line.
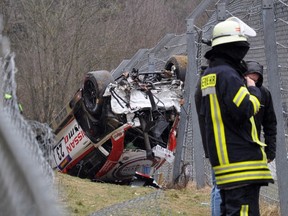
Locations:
{"points": [[83, 197]]}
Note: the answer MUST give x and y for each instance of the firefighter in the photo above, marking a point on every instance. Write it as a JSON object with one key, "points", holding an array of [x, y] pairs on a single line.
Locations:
{"points": [[229, 104], [266, 117], [265, 121]]}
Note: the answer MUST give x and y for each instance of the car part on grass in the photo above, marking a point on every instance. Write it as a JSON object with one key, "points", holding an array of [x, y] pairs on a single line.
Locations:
{"points": [[141, 179]]}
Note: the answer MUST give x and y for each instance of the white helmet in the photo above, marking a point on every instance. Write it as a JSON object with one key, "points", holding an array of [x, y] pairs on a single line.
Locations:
{"points": [[231, 30]]}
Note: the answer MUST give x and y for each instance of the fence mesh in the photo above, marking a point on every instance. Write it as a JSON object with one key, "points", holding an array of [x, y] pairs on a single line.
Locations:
{"points": [[25, 175]]}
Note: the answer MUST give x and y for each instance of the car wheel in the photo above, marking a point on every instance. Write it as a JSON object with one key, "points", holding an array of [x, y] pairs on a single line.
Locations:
{"points": [[95, 84], [177, 64]]}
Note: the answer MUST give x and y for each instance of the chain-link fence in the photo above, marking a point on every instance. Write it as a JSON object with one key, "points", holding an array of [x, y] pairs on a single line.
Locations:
{"points": [[25, 175]]}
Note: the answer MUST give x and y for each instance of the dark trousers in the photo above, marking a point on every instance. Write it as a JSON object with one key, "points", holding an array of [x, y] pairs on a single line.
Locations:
{"points": [[242, 201]]}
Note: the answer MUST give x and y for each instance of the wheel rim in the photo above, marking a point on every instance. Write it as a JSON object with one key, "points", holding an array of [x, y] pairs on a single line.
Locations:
{"points": [[90, 95]]}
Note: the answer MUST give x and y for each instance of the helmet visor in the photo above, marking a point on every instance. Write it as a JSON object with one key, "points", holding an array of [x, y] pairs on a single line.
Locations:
{"points": [[244, 28]]}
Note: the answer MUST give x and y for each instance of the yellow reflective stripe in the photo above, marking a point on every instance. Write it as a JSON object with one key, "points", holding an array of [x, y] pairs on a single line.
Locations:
{"points": [[264, 154], [244, 210], [209, 90], [243, 176], [255, 102], [240, 95], [254, 133], [239, 166], [218, 129]]}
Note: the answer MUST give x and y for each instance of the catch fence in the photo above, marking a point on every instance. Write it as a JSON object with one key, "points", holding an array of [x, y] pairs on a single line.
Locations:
{"points": [[27, 180]]}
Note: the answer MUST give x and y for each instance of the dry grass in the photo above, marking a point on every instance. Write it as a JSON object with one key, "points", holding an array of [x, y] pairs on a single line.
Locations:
{"points": [[83, 197], [267, 209]]}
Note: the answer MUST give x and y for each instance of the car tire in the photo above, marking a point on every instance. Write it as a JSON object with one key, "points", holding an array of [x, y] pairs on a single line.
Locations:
{"points": [[180, 66], [95, 84]]}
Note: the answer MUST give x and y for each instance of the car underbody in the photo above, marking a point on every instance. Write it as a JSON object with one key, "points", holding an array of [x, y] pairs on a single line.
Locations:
{"points": [[113, 128]]}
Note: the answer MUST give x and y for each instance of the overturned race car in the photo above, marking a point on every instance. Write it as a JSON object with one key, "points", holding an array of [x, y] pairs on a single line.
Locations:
{"points": [[114, 128]]}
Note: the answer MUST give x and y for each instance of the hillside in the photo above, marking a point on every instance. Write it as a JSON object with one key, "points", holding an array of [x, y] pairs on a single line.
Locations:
{"points": [[83, 197]]}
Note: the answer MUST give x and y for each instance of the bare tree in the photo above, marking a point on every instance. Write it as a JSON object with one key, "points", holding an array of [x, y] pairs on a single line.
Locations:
{"points": [[57, 42], [53, 55]]}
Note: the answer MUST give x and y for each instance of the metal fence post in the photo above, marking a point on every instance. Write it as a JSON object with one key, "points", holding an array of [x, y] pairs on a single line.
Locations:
{"points": [[151, 63], [274, 86], [198, 153], [189, 107]]}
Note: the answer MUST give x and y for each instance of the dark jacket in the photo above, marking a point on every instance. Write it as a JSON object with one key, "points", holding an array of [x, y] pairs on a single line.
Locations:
{"points": [[235, 151], [201, 118], [266, 117]]}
